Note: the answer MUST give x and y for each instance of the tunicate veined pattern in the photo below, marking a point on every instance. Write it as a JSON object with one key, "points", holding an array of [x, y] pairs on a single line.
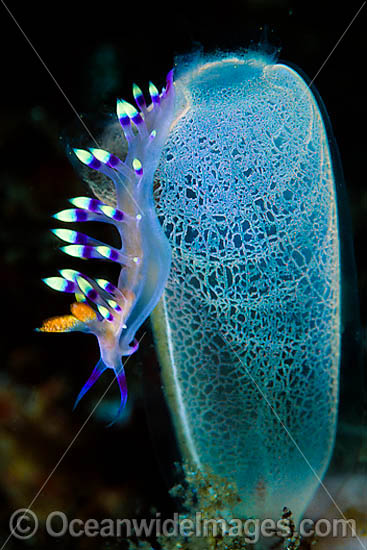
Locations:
{"points": [[248, 329]]}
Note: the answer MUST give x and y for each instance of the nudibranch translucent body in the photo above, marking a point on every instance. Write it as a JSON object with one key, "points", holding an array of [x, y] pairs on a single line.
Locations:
{"points": [[115, 313], [248, 328]]}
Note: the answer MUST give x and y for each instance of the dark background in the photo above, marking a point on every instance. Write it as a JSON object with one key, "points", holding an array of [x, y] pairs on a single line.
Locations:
{"points": [[95, 52]]}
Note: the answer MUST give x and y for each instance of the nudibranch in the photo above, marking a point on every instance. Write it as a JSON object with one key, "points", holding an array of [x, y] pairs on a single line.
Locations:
{"points": [[115, 313]]}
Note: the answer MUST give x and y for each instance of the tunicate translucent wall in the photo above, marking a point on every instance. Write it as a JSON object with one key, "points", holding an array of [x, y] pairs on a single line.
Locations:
{"points": [[249, 326]]}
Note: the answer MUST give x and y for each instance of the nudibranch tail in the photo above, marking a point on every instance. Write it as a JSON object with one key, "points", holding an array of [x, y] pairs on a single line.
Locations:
{"points": [[114, 313], [96, 373], [121, 380]]}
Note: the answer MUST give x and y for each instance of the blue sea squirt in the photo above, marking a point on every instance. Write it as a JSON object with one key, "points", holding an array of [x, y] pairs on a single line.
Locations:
{"points": [[248, 328], [115, 312]]}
